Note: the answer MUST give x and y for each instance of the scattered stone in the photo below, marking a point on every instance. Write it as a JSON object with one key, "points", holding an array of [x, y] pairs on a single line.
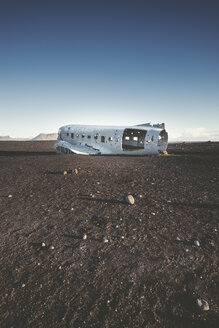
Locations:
{"points": [[65, 172], [153, 213], [9, 196], [196, 243], [76, 171], [91, 195], [60, 267], [122, 237], [43, 245], [72, 209], [105, 240], [178, 239], [129, 199], [165, 153], [202, 304], [52, 247], [85, 236], [23, 285], [186, 250]]}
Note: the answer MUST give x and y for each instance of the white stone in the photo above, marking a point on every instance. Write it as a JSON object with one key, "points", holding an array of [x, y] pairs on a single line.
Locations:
{"points": [[52, 247], [43, 244], [202, 304], [85, 236], [9, 196], [196, 243], [129, 199], [105, 240]]}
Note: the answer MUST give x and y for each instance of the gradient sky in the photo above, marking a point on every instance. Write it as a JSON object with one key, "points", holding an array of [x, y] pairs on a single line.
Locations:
{"points": [[109, 62]]}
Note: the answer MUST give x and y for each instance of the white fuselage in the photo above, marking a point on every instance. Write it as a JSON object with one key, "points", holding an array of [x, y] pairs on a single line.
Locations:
{"points": [[145, 139]]}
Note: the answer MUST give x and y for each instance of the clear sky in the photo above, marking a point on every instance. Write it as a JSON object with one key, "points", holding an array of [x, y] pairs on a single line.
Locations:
{"points": [[109, 62]]}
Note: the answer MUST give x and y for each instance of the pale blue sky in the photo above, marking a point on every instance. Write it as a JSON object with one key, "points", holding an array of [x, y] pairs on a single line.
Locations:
{"points": [[113, 62]]}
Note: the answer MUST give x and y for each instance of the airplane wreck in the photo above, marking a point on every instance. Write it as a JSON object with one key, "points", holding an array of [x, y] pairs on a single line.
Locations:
{"points": [[142, 139]]}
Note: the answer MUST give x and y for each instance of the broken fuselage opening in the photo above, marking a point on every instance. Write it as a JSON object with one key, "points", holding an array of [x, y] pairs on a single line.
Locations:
{"points": [[162, 141], [133, 139]]}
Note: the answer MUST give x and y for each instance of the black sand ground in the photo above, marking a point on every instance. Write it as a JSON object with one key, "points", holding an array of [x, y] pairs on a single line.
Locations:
{"points": [[141, 277]]}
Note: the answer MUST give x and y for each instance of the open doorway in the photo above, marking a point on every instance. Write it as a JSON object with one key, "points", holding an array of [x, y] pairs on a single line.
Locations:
{"points": [[133, 139]]}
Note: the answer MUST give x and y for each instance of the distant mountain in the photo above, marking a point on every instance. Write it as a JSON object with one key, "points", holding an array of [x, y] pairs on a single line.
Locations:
{"points": [[5, 138], [44, 136]]}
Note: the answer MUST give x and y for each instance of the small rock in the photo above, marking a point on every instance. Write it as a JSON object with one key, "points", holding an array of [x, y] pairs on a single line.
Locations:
{"points": [[60, 267], [153, 213], [186, 250], [129, 199], [43, 245], [196, 243], [76, 171], [65, 172], [85, 236], [122, 237], [72, 209], [23, 285], [9, 196], [105, 240], [52, 247], [177, 238], [202, 304]]}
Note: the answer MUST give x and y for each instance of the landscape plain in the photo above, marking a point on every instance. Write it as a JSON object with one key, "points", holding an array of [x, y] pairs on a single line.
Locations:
{"points": [[75, 254]]}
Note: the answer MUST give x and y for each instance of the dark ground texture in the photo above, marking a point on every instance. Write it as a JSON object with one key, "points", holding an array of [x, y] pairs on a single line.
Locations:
{"points": [[143, 276]]}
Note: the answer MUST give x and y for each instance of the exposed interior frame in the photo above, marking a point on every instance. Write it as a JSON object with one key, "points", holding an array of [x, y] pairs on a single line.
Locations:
{"points": [[133, 139]]}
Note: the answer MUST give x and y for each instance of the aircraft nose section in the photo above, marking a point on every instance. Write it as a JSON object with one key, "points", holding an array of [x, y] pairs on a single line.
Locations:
{"points": [[162, 141]]}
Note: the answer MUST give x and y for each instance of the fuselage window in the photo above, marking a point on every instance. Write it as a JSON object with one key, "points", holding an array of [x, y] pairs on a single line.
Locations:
{"points": [[126, 138], [88, 137], [72, 135], [96, 137], [83, 135], [110, 138], [67, 134], [77, 135], [135, 138], [102, 139]]}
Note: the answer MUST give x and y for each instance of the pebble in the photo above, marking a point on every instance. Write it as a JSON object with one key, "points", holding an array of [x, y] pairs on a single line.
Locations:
{"points": [[23, 285], [153, 213], [76, 171], [129, 199], [52, 247], [196, 243], [72, 209], [202, 304], [105, 240], [43, 244], [177, 238], [122, 237], [65, 172], [85, 236], [9, 196]]}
